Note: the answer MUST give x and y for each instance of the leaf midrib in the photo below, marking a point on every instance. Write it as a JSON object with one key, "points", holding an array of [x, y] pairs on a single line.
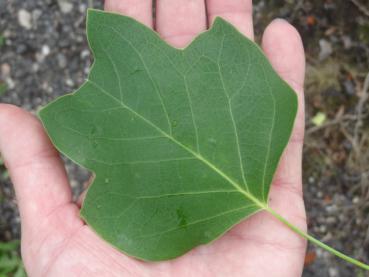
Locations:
{"points": [[247, 194]]}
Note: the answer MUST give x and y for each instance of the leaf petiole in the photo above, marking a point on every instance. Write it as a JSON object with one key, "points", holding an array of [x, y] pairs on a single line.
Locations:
{"points": [[316, 241]]}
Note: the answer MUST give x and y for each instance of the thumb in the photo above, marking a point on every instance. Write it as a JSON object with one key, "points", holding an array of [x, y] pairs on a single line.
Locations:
{"points": [[36, 170]]}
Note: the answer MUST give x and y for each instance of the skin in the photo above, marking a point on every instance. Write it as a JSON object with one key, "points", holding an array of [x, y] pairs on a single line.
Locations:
{"points": [[56, 242]]}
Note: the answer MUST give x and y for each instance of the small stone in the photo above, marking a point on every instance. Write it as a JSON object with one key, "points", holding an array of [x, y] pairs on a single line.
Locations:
{"points": [[10, 83], [7, 34], [331, 209], [21, 48], [45, 50], [85, 53], [69, 82], [331, 220], [35, 67], [73, 183], [356, 200], [62, 60], [82, 8], [333, 272], [349, 87], [319, 253], [65, 6], [36, 14], [25, 19], [347, 42], [323, 229], [5, 70], [325, 49]]}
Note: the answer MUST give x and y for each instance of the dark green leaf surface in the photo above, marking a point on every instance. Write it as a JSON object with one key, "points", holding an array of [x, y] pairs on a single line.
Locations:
{"points": [[184, 143]]}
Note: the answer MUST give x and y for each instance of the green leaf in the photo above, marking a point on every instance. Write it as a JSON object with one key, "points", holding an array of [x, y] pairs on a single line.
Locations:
{"points": [[9, 246], [3, 88], [184, 142], [9, 257], [319, 119]]}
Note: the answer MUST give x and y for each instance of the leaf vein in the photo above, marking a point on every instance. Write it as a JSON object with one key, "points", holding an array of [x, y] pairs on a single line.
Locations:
{"points": [[231, 115], [248, 195], [148, 73], [198, 221], [270, 134]]}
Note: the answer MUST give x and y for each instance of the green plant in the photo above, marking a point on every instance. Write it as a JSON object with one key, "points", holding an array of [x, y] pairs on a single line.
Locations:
{"points": [[10, 260], [3, 88], [184, 142], [2, 40]]}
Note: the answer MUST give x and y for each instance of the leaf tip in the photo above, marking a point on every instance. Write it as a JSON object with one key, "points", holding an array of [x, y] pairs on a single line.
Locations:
{"points": [[218, 23]]}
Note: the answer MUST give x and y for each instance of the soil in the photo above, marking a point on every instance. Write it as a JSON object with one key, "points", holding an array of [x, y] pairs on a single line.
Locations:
{"points": [[44, 54]]}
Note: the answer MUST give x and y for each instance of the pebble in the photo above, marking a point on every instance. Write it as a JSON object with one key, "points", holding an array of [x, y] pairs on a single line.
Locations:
{"points": [[36, 14], [62, 60], [69, 82], [349, 87], [325, 49], [85, 53], [35, 67], [45, 50], [10, 83], [21, 48], [319, 252], [333, 272], [5, 70], [331, 209], [356, 200], [74, 184], [347, 42], [25, 19], [65, 6], [323, 229], [6, 34], [82, 8]]}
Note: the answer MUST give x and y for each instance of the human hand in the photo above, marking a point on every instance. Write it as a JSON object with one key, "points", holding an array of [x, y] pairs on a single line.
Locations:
{"points": [[56, 242]]}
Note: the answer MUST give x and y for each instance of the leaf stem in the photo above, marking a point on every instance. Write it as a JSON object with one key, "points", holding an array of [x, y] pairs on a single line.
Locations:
{"points": [[316, 241]]}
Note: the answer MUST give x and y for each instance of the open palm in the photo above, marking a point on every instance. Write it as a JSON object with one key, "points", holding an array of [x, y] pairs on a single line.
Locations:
{"points": [[56, 242]]}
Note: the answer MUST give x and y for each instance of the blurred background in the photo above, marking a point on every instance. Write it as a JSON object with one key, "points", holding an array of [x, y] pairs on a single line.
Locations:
{"points": [[44, 54]]}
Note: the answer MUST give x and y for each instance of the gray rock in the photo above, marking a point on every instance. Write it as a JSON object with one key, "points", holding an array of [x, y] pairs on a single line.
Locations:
{"points": [[325, 49], [62, 60], [25, 19], [65, 6]]}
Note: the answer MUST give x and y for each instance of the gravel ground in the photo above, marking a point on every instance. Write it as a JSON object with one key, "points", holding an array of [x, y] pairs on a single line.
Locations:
{"points": [[45, 54]]}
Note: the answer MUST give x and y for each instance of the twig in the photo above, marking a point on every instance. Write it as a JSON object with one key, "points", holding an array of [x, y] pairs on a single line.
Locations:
{"points": [[356, 138], [361, 8], [364, 96], [335, 121]]}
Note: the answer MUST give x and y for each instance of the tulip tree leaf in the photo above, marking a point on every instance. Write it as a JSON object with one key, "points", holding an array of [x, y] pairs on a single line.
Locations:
{"points": [[184, 142]]}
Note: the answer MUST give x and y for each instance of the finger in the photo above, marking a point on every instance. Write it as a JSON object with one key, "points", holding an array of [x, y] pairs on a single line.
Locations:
{"points": [[237, 12], [178, 22], [38, 175], [283, 46], [141, 10]]}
